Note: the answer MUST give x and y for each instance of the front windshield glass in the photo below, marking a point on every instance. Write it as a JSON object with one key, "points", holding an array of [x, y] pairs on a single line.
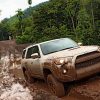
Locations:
{"points": [[57, 45]]}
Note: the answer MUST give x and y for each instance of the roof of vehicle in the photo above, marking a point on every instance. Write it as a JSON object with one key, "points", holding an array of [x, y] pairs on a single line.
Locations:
{"points": [[44, 42]]}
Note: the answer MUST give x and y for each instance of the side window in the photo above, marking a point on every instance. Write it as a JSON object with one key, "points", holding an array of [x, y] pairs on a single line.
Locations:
{"points": [[32, 50], [23, 54]]}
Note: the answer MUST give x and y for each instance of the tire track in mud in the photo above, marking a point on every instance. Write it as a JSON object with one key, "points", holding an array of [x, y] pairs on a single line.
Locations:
{"points": [[85, 90], [88, 89]]}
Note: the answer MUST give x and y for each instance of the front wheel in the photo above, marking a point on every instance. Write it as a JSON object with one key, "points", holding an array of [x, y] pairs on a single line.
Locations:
{"points": [[55, 86]]}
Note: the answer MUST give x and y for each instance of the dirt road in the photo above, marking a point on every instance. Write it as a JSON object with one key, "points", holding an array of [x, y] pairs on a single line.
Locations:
{"points": [[88, 89]]}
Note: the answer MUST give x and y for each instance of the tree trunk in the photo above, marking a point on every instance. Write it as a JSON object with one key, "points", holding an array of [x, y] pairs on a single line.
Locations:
{"points": [[92, 15], [76, 37]]}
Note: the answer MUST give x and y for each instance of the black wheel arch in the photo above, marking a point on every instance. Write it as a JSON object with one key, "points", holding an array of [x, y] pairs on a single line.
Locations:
{"points": [[46, 72], [24, 69]]}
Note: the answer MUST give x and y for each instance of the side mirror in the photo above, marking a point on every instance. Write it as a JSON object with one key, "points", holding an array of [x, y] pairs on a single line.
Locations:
{"points": [[80, 44], [35, 55]]}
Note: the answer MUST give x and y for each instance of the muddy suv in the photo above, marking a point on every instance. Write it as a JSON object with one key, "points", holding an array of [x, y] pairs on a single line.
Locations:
{"points": [[60, 61]]}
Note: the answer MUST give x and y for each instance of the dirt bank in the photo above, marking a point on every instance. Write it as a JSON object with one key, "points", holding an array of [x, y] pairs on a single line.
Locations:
{"points": [[10, 46]]}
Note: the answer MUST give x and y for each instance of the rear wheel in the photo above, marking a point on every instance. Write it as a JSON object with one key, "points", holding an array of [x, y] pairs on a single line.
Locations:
{"points": [[28, 78], [55, 86]]}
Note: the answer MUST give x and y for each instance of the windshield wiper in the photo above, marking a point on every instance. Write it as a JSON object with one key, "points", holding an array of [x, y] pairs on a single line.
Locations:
{"points": [[61, 50], [66, 48]]}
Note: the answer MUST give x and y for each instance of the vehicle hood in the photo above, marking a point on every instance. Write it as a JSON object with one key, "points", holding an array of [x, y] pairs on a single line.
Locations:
{"points": [[73, 52]]}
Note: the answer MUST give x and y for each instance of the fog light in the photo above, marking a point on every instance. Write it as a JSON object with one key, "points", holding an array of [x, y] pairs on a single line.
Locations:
{"points": [[64, 71], [61, 61]]}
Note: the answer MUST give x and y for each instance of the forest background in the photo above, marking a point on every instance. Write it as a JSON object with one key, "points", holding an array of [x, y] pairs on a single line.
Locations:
{"points": [[76, 19]]}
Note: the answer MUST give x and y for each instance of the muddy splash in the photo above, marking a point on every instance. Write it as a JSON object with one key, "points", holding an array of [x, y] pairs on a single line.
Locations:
{"points": [[9, 88], [12, 88]]}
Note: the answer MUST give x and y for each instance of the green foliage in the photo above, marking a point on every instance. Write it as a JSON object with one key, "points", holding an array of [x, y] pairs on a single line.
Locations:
{"points": [[92, 35], [76, 19], [4, 30], [20, 21], [84, 26], [23, 39]]}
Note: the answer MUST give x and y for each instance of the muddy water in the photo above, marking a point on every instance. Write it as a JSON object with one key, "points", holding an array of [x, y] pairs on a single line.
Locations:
{"points": [[85, 90], [13, 87], [9, 88], [88, 89]]}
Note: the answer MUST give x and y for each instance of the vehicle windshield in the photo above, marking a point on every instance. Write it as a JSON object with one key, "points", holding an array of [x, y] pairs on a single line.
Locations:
{"points": [[57, 45]]}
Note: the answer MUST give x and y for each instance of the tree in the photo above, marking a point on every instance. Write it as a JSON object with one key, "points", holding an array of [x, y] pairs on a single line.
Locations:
{"points": [[20, 18], [93, 10], [57, 19], [4, 30], [72, 9]]}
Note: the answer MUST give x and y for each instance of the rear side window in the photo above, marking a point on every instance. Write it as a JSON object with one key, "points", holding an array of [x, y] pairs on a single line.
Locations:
{"points": [[23, 54]]}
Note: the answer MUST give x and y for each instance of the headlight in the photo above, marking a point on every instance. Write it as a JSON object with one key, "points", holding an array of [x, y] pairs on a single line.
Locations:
{"points": [[64, 71], [68, 59], [66, 67], [61, 61], [99, 49]]}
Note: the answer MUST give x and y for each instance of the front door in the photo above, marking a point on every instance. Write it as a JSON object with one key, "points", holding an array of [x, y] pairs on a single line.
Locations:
{"points": [[34, 64]]}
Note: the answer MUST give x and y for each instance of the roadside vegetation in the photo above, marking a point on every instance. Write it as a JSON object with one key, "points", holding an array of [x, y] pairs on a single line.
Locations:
{"points": [[77, 19]]}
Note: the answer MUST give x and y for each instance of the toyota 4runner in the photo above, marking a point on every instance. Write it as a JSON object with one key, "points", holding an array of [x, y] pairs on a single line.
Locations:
{"points": [[59, 61]]}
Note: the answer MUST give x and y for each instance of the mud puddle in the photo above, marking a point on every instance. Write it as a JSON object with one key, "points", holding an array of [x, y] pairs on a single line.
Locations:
{"points": [[88, 89], [85, 90]]}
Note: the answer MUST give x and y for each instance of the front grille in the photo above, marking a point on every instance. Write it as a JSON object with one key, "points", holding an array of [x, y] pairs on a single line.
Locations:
{"points": [[89, 60]]}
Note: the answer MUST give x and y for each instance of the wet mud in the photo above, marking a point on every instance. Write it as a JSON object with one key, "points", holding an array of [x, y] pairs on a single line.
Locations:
{"points": [[86, 89]]}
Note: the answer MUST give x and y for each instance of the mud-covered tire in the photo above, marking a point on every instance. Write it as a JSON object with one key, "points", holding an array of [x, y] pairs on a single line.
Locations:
{"points": [[55, 86], [28, 78]]}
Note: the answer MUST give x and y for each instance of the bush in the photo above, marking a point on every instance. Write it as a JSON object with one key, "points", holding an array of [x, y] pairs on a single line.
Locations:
{"points": [[23, 39]]}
